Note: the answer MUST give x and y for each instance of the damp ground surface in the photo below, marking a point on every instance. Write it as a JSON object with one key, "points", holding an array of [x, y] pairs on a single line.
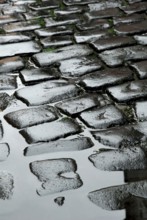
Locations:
{"points": [[73, 116]]}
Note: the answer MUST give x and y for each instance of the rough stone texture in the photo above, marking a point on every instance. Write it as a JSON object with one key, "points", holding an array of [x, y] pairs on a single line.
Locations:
{"points": [[89, 25], [51, 174], [56, 41], [6, 185], [53, 23], [5, 100], [141, 68], [51, 131], [128, 19], [53, 31], [4, 151], [13, 38], [107, 13], [142, 39], [59, 200], [44, 5], [104, 4], [103, 117], [7, 82], [8, 65], [75, 144], [88, 36], [136, 7], [31, 116], [141, 110]]}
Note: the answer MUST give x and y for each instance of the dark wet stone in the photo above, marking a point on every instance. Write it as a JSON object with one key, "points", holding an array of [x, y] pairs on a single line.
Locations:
{"points": [[50, 22], [141, 68], [119, 136], [102, 117], [53, 31], [32, 76], [4, 151], [7, 82], [141, 39], [59, 200], [115, 197], [9, 9], [107, 13], [13, 38], [5, 100], [101, 5], [75, 144], [97, 23], [6, 185], [128, 19], [132, 28], [79, 104], [77, 2], [112, 42], [18, 48], [141, 110], [117, 56], [52, 174], [8, 65], [56, 41], [133, 158], [107, 77], [88, 36], [51, 131], [68, 17], [48, 58], [129, 91], [136, 7], [30, 15], [80, 66], [44, 5], [47, 92], [31, 116]]}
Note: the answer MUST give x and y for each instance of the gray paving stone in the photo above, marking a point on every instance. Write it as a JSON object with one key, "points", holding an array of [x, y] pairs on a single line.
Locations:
{"points": [[119, 136], [141, 39], [8, 65], [9, 10], [128, 19], [112, 42], [79, 104], [106, 77], [132, 28], [68, 11], [102, 117], [47, 92], [56, 41], [4, 151], [32, 76], [13, 38], [115, 197], [50, 22], [118, 56], [136, 7], [77, 67], [51, 31], [13, 49], [141, 110], [101, 5], [7, 82], [129, 91], [51, 174], [51, 131], [6, 185], [107, 13], [31, 116], [120, 159], [30, 15], [141, 68], [88, 36], [44, 5], [74, 144], [5, 100], [4, 19], [79, 2], [96, 23], [48, 58]]}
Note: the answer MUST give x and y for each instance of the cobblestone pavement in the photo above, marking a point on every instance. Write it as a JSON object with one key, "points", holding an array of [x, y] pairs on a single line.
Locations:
{"points": [[73, 100]]}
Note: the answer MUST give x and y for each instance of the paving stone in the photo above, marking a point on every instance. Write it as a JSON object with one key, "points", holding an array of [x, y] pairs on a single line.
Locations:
{"points": [[7, 82], [75, 144], [1, 130], [22, 2], [13, 49], [31, 116], [102, 117], [8, 10], [59, 201], [119, 136], [48, 58], [51, 131], [5, 100], [112, 42], [44, 5], [141, 110], [101, 5], [141, 127], [56, 41], [129, 91], [51, 174], [77, 2], [53, 23], [87, 36], [136, 7], [4, 151], [128, 19], [141, 68], [120, 159], [47, 92], [6, 185], [106, 77], [59, 30], [118, 56], [30, 15], [4, 19], [68, 17], [141, 39], [13, 38], [107, 13], [79, 104], [116, 197], [77, 67], [33, 76], [96, 23], [11, 64], [132, 28], [68, 11]]}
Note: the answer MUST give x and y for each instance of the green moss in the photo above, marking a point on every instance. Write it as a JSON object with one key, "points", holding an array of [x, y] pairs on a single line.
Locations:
{"points": [[111, 31], [41, 22], [62, 6], [110, 21], [124, 3], [2, 31], [52, 13], [49, 49]]}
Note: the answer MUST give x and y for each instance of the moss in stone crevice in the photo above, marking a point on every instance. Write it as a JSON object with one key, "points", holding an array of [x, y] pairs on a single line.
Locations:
{"points": [[2, 31], [41, 22], [49, 49], [111, 31]]}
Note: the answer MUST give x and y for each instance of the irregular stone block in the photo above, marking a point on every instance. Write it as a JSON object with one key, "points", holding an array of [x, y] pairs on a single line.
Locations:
{"points": [[128, 19], [141, 110], [51, 174], [129, 91], [5, 100], [47, 92], [53, 31], [104, 5], [88, 36], [80, 66], [106, 13], [136, 7], [8, 65], [56, 41], [102, 117], [75, 2], [53, 23], [5, 19], [141, 68], [7, 82], [9, 9], [48, 58], [31, 116], [75, 144], [44, 5], [6, 185], [13, 38], [96, 23], [107, 77], [51, 131], [4, 151], [141, 39]]}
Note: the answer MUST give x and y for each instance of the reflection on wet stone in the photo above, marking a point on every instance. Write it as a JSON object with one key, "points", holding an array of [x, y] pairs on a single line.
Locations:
{"points": [[51, 174]]}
